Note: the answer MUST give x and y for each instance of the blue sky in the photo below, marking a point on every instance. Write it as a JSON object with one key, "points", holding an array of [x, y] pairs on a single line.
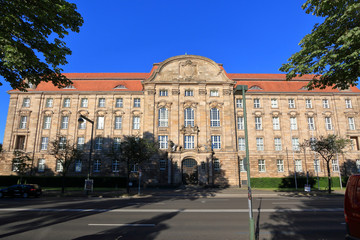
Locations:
{"points": [[131, 35]]}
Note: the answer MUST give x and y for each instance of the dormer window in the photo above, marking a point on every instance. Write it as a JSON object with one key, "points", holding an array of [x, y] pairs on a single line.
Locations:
{"points": [[69, 87], [255, 87], [120, 87]]}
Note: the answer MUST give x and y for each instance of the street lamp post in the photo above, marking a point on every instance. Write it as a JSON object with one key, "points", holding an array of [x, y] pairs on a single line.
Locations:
{"points": [[81, 120]]}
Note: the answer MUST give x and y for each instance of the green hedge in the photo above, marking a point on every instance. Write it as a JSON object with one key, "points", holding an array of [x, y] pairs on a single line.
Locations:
{"points": [[289, 182], [111, 182]]}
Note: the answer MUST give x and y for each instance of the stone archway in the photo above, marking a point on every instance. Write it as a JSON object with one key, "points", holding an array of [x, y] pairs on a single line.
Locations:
{"points": [[189, 169]]}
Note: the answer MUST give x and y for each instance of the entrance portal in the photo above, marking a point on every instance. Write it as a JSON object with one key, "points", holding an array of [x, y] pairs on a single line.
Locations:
{"points": [[189, 171]]}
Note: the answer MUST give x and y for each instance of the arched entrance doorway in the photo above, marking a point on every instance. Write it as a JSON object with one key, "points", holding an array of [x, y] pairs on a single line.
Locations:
{"points": [[189, 171]]}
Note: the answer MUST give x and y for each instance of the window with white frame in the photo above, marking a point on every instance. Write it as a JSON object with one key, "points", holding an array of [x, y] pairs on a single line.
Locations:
{"points": [[49, 103], [115, 165], [163, 141], [98, 143], [242, 166], [348, 103], [291, 103], [100, 122], [351, 123], [62, 143], [274, 103], [97, 165], [47, 122], [64, 122], [216, 165], [317, 165], [78, 165], [239, 103], [59, 166], [242, 146], [295, 144], [136, 102], [23, 122], [308, 103], [214, 93], [260, 144], [293, 123], [82, 124], [328, 123], [119, 103], [136, 122], [278, 146], [189, 117], [162, 165], [84, 103], [215, 142], [26, 102], [276, 123], [163, 117], [214, 117], [163, 93], [256, 103], [358, 165], [311, 123], [280, 165], [240, 123], [335, 165], [258, 123], [118, 122], [66, 102], [101, 102], [116, 143], [325, 103], [41, 165], [261, 165], [189, 93], [80, 143], [189, 142], [298, 165], [44, 143]]}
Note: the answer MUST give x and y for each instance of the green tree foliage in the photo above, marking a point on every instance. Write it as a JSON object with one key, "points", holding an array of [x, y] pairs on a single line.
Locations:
{"points": [[327, 148], [22, 164], [31, 30], [332, 50]]}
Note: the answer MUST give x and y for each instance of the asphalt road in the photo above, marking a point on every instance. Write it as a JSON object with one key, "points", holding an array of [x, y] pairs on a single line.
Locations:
{"points": [[171, 218]]}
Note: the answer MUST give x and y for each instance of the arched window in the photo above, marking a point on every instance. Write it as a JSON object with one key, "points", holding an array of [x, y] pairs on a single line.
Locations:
{"points": [[189, 117], [163, 117], [214, 117]]}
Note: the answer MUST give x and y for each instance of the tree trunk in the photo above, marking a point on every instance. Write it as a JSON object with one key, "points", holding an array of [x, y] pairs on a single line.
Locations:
{"points": [[329, 176], [63, 185], [127, 178]]}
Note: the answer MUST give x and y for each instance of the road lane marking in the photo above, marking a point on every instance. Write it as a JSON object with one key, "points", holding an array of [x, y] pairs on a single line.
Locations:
{"points": [[172, 210], [121, 225]]}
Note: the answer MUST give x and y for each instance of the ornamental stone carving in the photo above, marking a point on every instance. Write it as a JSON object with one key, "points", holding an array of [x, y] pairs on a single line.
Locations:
{"points": [[202, 91], [275, 113], [65, 112], [118, 112], [175, 92], [215, 104], [310, 114], [227, 92], [188, 69], [100, 113], [136, 113], [189, 130], [151, 92], [188, 104], [165, 104], [293, 113]]}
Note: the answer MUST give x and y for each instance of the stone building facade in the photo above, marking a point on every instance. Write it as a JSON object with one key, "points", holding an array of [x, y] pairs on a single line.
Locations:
{"points": [[190, 105]]}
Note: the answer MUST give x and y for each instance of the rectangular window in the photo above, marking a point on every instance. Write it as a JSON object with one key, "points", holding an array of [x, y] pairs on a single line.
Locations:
{"points": [[293, 123], [215, 142], [239, 103], [84, 103], [258, 123], [354, 143], [298, 165], [97, 165], [20, 142], [163, 141], [115, 165], [189, 117], [162, 165], [119, 103], [335, 165], [240, 123], [242, 166], [328, 124], [189, 93], [78, 165], [308, 103], [274, 103], [242, 146], [261, 164], [163, 93], [118, 122], [325, 103], [136, 122], [100, 122], [47, 122], [295, 144], [44, 143], [98, 143], [260, 144], [49, 103], [276, 123], [256, 103], [116, 143], [136, 102], [163, 117], [62, 143], [26, 102], [189, 142], [278, 146], [214, 117], [291, 103], [348, 103], [317, 165], [66, 102], [64, 122], [311, 123], [216, 165], [214, 93], [101, 102], [80, 143], [82, 124], [351, 123], [280, 165], [41, 165], [59, 166], [23, 122]]}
